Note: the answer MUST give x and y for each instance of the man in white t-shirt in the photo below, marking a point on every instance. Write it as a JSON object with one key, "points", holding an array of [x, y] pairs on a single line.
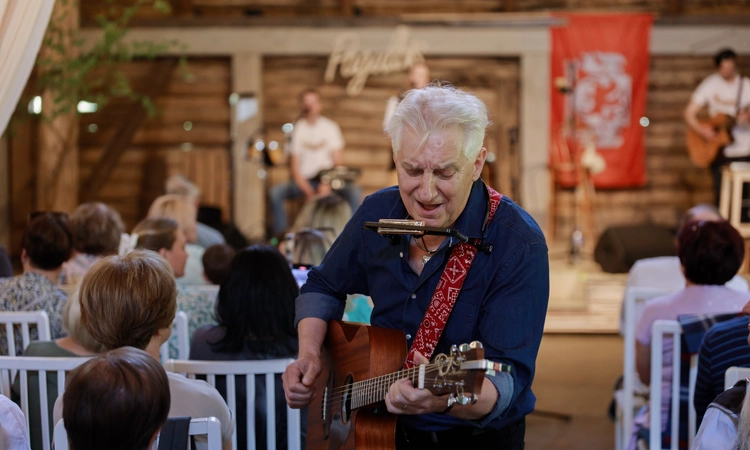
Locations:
{"points": [[316, 145], [725, 92]]}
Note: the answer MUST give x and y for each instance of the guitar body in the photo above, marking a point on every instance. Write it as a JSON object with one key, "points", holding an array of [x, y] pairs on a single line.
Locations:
{"points": [[354, 353], [702, 152]]}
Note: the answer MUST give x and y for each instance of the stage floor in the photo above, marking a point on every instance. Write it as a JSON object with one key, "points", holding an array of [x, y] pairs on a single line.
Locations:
{"points": [[583, 298]]}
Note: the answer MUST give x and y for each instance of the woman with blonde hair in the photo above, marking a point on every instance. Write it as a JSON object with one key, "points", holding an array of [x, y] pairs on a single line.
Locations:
{"points": [[182, 211]]}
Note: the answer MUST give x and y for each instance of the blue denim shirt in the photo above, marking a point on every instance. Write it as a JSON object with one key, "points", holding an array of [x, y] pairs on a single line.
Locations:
{"points": [[503, 302]]}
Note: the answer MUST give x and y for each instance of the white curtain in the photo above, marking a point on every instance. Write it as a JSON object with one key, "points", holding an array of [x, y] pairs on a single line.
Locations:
{"points": [[22, 26]]}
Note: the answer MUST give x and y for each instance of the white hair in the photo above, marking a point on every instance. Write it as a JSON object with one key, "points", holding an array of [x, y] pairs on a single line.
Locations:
{"points": [[438, 107], [180, 185]]}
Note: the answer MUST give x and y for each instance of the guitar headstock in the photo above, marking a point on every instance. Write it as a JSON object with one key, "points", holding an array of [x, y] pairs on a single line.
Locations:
{"points": [[460, 373]]}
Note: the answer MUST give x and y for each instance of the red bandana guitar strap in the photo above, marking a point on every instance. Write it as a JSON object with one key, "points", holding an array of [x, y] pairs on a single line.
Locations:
{"points": [[446, 293]]}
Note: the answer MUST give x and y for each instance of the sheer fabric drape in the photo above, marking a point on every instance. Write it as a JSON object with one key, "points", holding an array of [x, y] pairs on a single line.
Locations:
{"points": [[22, 26]]}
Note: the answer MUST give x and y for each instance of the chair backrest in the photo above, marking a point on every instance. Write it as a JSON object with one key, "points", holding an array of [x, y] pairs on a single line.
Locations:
{"points": [[180, 328], [209, 426], [635, 298], [735, 374], [24, 319], [232, 369], [659, 330], [28, 367]]}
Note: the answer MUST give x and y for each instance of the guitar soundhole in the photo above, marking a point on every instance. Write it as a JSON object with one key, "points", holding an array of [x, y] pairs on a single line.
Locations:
{"points": [[346, 399]]}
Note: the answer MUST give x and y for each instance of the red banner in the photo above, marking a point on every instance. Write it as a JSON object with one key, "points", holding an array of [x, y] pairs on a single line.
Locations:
{"points": [[599, 79]]}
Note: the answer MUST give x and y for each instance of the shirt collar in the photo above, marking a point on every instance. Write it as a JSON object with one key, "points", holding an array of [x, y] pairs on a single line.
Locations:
{"points": [[470, 222]]}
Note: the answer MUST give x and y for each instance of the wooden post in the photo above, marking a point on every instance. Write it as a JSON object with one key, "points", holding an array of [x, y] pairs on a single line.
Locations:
{"points": [[248, 189], [4, 192], [57, 170]]}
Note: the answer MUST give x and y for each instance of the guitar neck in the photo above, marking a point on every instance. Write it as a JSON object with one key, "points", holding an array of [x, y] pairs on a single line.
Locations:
{"points": [[372, 390]]}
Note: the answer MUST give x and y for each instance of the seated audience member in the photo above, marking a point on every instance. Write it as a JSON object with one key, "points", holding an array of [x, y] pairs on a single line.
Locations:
{"points": [[116, 401], [165, 237], [326, 212], [216, 263], [726, 424], [77, 343], [179, 209], [6, 268], [13, 435], [130, 301], [96, 230], [181, 185], [724, 345], [255, 310], [710, 254], [45, 246]]}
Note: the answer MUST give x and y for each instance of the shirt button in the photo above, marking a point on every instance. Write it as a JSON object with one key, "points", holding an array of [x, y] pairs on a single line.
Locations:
{"points": [[401, 254], [413, 295], [408, 336]]}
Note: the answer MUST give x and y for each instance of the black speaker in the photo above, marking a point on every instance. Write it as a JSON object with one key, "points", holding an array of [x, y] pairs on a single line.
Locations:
{"points": [[620, 247]]}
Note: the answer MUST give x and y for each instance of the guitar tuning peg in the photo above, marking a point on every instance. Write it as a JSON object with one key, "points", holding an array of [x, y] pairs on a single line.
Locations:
{"points": [[476, 344], [463, 348]]}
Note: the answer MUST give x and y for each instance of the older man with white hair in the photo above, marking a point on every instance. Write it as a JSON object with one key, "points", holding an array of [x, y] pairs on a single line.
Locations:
{"points": [[180, 185], [437, 134]]}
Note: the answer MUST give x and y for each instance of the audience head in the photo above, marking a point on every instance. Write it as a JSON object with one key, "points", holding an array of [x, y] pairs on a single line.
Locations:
{"points": [[179, 209], [330, 212], [96, 229], [116, 401], [711, 252], [217, 259], [47, 241], [256, 304], [164, 237], [129, 300], [440, 108], [180, 185], [701, 211], [310, 247], [71, 321]]}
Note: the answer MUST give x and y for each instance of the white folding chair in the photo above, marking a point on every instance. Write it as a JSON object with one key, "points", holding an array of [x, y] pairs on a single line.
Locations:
{"points": [[208, 426], [180, 327], [635, 298], [24, 319], [231, 369], [23, 365], [735, 374]]}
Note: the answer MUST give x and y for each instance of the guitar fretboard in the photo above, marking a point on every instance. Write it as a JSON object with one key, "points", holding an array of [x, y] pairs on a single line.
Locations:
{"points": [[373, 390]]}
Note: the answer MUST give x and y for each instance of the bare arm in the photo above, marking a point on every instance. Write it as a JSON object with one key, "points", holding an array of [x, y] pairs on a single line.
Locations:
{"points": [[338, 157], [299, 180], [643, 362], [299, 377], [691, 119]]}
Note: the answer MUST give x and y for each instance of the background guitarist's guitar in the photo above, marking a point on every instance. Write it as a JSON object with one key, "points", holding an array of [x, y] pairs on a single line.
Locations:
{"points": [[703, 152], [348, 411]]}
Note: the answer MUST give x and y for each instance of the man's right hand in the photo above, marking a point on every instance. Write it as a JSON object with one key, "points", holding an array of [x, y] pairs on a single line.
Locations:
{"points": [[708, 132], [299, 381]]}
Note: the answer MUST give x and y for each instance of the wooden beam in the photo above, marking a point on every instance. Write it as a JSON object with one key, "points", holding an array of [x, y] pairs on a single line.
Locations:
{"points": [[510, 5], [160, 75], [182, 8], [674, 7]]}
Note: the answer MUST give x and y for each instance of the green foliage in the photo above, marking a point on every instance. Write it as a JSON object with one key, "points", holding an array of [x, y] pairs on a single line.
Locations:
{"points": [[92, 71]]}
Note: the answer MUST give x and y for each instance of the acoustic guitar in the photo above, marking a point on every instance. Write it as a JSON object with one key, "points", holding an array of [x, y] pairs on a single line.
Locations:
{"points": [[349, 412], [703, 152]]}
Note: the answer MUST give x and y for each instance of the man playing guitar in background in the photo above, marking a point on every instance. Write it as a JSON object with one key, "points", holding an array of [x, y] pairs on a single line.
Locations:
{"points": [[316, 145], [437, 134], [725, 92]]}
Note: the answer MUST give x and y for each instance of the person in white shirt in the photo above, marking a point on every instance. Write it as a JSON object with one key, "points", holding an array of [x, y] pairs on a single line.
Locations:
{"points": [[727, 92], [317, 145]]}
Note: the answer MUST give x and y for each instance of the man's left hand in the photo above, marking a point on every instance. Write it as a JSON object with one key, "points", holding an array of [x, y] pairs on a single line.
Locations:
{"points": [[404, 398]]}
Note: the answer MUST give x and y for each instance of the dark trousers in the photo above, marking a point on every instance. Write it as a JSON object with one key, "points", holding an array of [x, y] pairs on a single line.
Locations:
{"points": [[509, 438]]}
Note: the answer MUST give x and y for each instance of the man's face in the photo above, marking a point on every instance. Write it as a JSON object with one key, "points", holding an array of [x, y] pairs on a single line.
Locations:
{"points": [[435, 179], [311, 105], [728, 69]]}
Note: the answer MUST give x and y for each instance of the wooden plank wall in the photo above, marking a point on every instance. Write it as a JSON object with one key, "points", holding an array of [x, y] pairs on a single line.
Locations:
{"points": [[291, 8], [164, 145], [360, 118], [674, 184]]}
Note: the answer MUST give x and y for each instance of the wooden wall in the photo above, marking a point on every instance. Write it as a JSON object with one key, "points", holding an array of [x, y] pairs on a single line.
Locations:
{"points": [[360, 118], [291, 8], [674, 184], [164, 145]]}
